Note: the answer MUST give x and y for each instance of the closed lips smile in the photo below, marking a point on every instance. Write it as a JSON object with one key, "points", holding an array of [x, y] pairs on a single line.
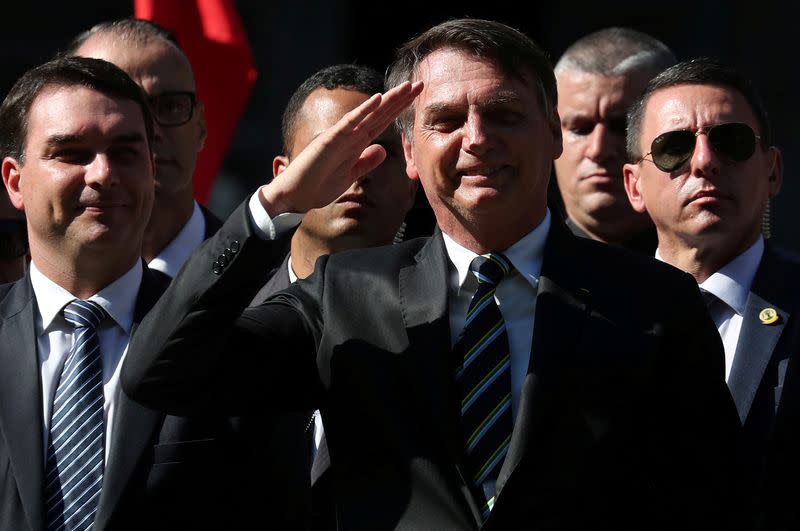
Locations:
{"points": [[480, 172], [99, 206], [360, 199]]}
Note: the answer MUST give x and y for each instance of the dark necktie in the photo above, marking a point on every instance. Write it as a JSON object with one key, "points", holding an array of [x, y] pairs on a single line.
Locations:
{"points": [[75, 452], [714, 304], [484, 378]]}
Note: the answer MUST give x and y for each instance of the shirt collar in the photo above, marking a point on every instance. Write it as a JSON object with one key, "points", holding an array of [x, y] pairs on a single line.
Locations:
{"points": [[172, 257], [732, 282], [526, 254], [118, 298]]}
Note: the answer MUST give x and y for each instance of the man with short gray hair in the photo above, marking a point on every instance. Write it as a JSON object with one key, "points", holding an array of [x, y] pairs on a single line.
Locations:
{"points": [[598, 77]]}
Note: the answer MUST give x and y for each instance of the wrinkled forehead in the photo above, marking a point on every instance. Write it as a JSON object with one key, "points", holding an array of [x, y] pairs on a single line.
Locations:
{"points": [[448, 61]]}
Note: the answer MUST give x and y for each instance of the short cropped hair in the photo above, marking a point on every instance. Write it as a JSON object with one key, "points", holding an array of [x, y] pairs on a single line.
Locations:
{"points": [[95, 74], [616, 51], [699, 71], [353, 77], [138, 31], [513, 52]]}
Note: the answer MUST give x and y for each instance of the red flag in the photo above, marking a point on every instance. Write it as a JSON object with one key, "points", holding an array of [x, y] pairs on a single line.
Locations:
{"points": [[212, 35]]}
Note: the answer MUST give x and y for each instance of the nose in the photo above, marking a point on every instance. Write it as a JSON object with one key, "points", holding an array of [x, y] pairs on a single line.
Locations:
{"points": [[600, 144], [100, 173], [704, 162], [477, 137]]}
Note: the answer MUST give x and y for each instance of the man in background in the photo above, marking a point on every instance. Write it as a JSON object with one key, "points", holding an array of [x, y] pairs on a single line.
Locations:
{"points": [[598, 77], [367, 214]]}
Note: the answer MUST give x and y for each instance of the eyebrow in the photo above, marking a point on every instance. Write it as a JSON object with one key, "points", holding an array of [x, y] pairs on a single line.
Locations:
{"points": [[501, 98], [60, 140], [579, 115]]}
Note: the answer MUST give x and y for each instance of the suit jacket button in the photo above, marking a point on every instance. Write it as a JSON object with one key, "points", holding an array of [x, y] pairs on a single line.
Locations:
{"points": [[216, 268], [234, 246], [223, 260], [228, 253]]}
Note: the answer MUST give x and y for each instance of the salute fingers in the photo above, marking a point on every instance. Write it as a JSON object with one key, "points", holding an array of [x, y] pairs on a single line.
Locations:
{"points": [[370, 159], [339, 156], [392, 104]]}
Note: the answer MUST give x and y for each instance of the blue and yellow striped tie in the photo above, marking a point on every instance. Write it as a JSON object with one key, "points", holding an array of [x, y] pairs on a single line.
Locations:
{"points": [[484, 378]]}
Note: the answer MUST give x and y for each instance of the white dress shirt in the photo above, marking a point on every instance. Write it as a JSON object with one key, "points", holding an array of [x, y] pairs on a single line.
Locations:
{"points": [[175, 254], [55, 337], [731, 284]]}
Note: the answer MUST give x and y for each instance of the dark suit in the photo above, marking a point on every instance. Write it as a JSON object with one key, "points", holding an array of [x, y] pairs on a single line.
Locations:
{"points": [[645, 242], [163, 472], [323, 512], [624, 421], [758, 381]]}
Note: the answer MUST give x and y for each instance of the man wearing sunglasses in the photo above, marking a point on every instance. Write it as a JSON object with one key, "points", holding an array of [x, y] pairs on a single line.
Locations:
{"points": [[598, 77], [151, 56], [704, 168]]}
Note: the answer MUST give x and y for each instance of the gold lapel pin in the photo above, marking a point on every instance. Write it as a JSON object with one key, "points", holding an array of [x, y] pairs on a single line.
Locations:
{"points": [[768, 316]]}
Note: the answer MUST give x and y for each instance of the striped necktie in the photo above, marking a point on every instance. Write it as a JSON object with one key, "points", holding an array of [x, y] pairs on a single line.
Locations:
{"points": [[484, 379], [75, 452]]}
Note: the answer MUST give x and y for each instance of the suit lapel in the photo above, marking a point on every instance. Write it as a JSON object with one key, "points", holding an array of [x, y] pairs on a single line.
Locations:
{"points": [[278, 281], [423, 299], [561, 309], [134, 425], [772, 288], [21, 398]]}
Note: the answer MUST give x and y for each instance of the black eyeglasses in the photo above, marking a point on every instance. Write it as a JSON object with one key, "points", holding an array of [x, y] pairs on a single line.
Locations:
{"points": [[172, 108], [734, 141], [13, 238]]}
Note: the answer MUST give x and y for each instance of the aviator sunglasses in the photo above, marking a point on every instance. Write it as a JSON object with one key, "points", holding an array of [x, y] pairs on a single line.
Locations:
{"points": [[733, 141]]}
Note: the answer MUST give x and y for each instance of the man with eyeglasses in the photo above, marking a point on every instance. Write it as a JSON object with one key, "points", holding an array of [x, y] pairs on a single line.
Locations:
{"points": [[704, 169], [151, 56], [13, 241]]}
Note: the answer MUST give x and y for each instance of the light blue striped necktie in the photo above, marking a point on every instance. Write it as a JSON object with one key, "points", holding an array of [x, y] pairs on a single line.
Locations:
{"points": [[75, 452], [484, 379]]}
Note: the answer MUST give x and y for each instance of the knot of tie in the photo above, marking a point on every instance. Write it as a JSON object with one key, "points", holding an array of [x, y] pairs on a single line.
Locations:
{"points": [[490, 268], [84, 314]]}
